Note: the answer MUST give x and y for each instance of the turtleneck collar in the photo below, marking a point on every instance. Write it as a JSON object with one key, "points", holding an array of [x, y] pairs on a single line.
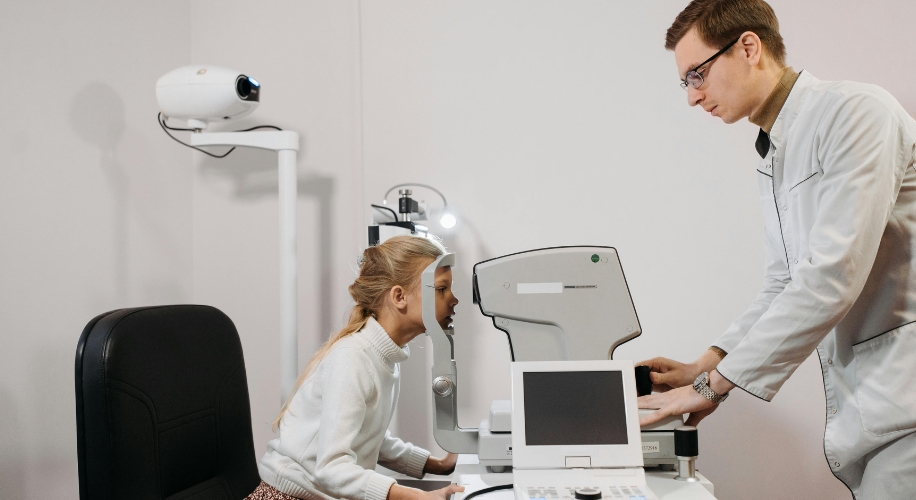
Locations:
{"points": [[769, 110], [386, 348]]}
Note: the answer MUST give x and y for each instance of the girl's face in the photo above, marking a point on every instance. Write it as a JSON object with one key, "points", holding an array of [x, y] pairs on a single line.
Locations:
{"points": [[445, 302], [445, 299], [403, 317]]}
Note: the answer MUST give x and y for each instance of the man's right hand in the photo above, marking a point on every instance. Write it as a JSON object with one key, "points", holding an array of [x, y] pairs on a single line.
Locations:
{"points": [[667, 374]]}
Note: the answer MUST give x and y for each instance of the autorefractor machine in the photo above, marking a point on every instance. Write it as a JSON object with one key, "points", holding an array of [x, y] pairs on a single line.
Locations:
{"points": [[564, 311]]}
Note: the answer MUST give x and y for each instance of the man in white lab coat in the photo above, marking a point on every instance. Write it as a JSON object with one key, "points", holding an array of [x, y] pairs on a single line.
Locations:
{"points": [[837, 182]]}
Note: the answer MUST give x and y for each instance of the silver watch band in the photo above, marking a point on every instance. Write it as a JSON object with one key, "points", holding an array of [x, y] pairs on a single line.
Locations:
{"points": [[701, 385]]}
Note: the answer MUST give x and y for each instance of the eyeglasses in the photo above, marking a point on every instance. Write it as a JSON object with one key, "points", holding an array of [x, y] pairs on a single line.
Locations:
{"points": [[695, 79]]}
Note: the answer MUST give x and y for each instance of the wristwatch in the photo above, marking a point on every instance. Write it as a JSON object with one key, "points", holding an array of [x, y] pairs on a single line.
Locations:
{"points": [[701, 385]]}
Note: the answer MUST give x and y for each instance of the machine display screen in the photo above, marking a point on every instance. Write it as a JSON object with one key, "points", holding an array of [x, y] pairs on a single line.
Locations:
{"points": [[574, 408]]}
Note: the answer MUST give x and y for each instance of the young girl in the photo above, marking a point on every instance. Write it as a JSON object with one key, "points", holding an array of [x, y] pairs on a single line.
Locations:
{"points": [[333, 429]]}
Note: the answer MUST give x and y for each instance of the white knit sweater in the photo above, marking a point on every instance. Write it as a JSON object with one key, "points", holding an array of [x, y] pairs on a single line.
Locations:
{"points": [[336, 428]]}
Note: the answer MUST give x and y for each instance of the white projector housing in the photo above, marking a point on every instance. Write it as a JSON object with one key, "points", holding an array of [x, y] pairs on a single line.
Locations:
{"points": [[200, 94]]}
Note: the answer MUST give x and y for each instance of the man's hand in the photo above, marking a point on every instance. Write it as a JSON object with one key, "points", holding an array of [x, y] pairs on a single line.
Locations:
{"points": [[441, 466], [667, 374], [676, 402]]}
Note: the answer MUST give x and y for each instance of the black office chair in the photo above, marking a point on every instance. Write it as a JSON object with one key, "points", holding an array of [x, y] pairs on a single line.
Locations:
{"points": [[162, 408]]}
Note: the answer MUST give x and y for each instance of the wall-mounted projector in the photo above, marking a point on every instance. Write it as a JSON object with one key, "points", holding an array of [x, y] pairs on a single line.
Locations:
{"points": [[201, 94]]}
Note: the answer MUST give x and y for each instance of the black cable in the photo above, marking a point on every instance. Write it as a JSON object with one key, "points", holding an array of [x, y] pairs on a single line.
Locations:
{"points": [[162, 122], [488, 490], [166, 128], [259, 126], [388, 209]]}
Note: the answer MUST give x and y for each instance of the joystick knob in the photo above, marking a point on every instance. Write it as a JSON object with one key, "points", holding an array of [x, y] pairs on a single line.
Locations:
{"points": [[685, 441], [643, 381], [588, 493], [686, 448]]}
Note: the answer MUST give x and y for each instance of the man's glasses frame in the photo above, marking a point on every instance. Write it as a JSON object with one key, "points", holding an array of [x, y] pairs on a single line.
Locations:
{"points": [[694, 78]]}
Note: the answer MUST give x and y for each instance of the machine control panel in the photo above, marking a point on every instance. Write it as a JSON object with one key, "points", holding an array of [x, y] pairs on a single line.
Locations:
{"points": [[589, 492]]}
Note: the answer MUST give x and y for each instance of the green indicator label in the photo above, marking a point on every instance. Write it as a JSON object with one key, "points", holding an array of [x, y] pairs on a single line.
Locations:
{"points": [[595, 258]]}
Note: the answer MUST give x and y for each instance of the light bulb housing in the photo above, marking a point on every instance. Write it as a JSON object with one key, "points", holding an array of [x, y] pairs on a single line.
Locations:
{"points": [[448, 219]]}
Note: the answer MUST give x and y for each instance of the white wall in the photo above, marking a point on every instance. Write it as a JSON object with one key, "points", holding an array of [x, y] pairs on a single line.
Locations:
{"points": [[305, 54], [95, 208], [553, 123], [545, 123]]}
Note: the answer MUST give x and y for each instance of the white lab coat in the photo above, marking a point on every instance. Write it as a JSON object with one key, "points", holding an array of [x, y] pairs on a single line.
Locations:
{"points": [[838, 189]]}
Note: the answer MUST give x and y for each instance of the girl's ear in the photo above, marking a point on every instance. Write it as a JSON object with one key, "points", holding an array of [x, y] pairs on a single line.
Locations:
{"points": [[398, 297]]}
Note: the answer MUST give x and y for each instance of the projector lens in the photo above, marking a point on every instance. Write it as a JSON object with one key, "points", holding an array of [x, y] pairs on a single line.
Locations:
{"points": [[243, 86]]}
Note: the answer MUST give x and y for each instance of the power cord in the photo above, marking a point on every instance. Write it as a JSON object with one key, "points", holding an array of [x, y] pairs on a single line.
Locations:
{"points": [[488, 490], [166, 128], [395, 215]]}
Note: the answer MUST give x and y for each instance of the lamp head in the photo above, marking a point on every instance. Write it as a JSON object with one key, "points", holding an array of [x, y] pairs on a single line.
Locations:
{"points": [[447, 219]]}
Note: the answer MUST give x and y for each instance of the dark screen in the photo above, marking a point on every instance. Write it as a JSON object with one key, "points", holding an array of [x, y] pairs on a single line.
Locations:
{"points": [[574, 408]]}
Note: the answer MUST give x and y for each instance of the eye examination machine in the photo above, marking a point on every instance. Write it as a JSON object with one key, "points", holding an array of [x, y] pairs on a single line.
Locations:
{"points": [[571, 428]]}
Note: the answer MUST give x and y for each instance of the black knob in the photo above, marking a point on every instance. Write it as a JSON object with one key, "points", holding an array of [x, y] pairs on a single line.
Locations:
{"points": [[588, 494], [685, 442], [643, 382]]}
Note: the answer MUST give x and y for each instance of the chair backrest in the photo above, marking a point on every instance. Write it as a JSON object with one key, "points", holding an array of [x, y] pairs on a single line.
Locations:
{"points": [[162, 407]]}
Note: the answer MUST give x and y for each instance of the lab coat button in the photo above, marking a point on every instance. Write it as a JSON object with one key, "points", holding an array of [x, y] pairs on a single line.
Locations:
{"points": [[796, 261], [836, 464], [833, 411], [785, 208], [829, 361]]}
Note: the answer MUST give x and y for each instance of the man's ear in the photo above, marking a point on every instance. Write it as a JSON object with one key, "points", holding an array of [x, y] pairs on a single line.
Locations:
{"points": [[398, 297], [751, 48]]}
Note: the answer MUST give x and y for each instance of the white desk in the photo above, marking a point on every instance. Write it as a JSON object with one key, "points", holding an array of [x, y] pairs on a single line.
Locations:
{"points": [[473, 476]]}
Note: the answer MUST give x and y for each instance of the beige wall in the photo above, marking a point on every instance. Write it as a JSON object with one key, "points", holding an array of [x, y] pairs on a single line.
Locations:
{"points": [[95, 208], [545, 123]]}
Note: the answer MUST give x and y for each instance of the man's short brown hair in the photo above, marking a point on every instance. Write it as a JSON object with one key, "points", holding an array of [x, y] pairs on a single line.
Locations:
{"points": [[718, 22]]}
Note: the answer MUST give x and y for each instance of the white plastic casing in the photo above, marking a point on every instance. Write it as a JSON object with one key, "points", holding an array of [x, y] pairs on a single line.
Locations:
{"points": [[555, 457], [501, 415], [202, 93]]}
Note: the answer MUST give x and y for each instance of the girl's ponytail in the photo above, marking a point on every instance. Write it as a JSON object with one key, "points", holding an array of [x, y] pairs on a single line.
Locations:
{"points": [[398, 261]]}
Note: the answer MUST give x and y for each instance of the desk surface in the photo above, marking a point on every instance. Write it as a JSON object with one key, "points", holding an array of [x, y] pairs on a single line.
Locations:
{"points": [[473, 476]]}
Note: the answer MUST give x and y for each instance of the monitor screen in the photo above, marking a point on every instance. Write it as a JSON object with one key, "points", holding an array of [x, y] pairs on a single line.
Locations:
{"points": [[574, 408]]}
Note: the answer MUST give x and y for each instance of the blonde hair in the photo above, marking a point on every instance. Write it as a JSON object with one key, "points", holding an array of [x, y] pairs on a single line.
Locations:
{"points": [[399, 261]]}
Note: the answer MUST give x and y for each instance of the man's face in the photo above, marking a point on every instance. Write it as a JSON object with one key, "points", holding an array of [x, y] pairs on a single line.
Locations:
{"points": [[726, 90]]}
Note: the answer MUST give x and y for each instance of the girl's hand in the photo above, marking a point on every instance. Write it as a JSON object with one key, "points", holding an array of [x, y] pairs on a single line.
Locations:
{"points": [[443, 494], [441, 466], [398, 492]]}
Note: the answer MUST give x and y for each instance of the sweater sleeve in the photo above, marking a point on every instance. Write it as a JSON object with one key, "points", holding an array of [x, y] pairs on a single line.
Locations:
{"points": [[862, 170], [346, 386], [402, 457]]}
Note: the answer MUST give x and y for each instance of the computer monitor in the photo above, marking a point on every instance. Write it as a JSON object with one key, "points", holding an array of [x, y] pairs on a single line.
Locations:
{"points": [[575, 414]]}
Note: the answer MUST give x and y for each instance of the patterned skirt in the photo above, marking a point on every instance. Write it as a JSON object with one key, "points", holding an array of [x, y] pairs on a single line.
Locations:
{"points": [[268, 492]]}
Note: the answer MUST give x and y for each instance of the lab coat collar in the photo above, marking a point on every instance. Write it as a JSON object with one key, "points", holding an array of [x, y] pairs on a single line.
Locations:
{"points": [[790, 109]]}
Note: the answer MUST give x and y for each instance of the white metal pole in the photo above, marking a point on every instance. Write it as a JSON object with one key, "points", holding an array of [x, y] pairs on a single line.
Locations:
{"points": [[289, 331]]}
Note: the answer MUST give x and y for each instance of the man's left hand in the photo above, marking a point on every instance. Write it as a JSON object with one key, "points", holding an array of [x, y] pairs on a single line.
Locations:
{"points": [[676, 402]]}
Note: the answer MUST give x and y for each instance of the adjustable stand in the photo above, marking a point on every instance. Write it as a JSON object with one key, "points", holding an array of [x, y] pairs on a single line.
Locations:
{"points": [[286, 144]]}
